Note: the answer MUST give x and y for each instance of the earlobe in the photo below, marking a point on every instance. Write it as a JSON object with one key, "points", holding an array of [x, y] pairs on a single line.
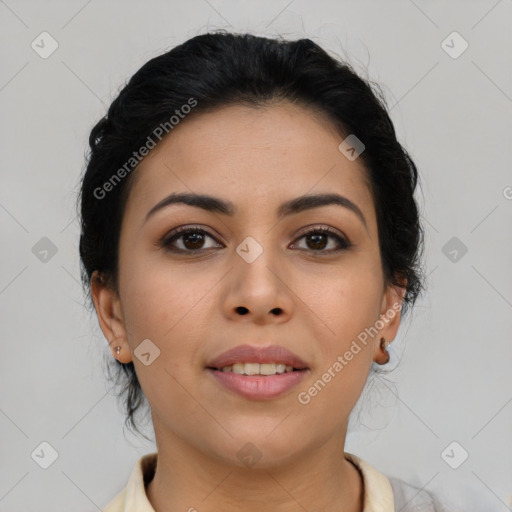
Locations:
{"points": [[383, 356], [108, 311]]}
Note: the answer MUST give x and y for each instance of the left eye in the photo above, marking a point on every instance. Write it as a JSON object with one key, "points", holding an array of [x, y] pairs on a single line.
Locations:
{"points": [[192, 240], [318, 238]]}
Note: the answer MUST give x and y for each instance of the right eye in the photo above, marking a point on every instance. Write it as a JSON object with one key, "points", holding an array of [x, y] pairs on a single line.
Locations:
{"points": [[192, 240]]}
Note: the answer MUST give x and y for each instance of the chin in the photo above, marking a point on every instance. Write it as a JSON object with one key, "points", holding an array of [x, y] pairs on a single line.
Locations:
{"points": [[257, 450]]}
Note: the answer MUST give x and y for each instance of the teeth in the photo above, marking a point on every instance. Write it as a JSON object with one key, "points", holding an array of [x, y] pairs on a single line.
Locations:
{"points": [[252, 368], [238, 368], [258, 369]]}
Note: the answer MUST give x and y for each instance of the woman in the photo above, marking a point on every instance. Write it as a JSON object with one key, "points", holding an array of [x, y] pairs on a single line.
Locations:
{"points": [[250, 242]]}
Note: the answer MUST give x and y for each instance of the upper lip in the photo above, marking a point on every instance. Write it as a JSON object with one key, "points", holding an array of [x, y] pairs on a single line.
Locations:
{"points": [[257, 354]]}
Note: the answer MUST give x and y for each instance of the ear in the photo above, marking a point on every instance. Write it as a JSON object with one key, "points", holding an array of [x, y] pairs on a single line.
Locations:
{"points": [[108, 310], [390, 315]]}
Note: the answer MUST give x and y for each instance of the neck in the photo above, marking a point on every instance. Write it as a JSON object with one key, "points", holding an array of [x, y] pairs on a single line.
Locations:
{"points": [[318, 480]]}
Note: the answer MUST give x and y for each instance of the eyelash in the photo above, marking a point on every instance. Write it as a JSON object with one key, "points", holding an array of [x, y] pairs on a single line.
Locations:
{"points": [[181, 231]]}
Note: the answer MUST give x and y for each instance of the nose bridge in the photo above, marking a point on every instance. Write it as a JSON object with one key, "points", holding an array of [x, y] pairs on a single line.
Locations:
{"points": [[257, 288], [255, 258]]}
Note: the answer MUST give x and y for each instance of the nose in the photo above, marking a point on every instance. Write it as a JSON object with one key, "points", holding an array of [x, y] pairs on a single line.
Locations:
{"points": [[259, 291]]}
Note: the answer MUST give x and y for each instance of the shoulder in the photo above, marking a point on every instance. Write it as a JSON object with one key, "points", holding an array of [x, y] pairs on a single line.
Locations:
{"points": [[133, 497], [387, 494], [117, 504], [378, 493]]}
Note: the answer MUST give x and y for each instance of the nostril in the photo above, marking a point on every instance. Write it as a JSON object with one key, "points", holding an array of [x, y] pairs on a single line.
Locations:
{"points": [[242, 310]]}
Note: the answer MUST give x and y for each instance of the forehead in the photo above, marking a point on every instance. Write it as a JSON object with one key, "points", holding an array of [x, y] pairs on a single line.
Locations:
{"points": [[253, 155]]}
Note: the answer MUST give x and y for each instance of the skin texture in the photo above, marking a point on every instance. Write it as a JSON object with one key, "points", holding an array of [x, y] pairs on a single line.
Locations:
{"points": [[186, 305]]}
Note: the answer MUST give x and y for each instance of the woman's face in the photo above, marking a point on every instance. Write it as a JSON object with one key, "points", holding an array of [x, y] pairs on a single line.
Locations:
{"points": [[254, 279]]}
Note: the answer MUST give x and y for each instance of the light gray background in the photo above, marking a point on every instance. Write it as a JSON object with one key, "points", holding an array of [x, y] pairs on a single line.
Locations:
{"points": [[453, 380]]}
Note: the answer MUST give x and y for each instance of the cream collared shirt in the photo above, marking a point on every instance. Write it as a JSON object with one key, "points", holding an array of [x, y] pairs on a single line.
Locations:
{"points": [[378, 492]]}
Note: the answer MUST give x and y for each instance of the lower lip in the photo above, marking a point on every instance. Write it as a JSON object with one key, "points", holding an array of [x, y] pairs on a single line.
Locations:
{"points": [[259, 387]]}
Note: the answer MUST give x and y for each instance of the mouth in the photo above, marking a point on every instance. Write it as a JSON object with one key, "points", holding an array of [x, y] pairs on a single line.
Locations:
{"points": [[257, 386], [257, 372]]}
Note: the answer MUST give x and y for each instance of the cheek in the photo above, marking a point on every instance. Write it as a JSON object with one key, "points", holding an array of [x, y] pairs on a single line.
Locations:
{"points": [[156, 299], [348, 303], [348, 307], [160, 306], [168, 308]]}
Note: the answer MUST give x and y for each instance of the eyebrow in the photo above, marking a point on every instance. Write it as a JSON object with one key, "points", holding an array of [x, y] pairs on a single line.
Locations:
{"points": [[292, 206]]}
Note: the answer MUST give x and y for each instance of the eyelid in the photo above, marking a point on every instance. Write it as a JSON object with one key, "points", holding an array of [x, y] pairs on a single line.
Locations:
{"points": [[313, 227]]}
